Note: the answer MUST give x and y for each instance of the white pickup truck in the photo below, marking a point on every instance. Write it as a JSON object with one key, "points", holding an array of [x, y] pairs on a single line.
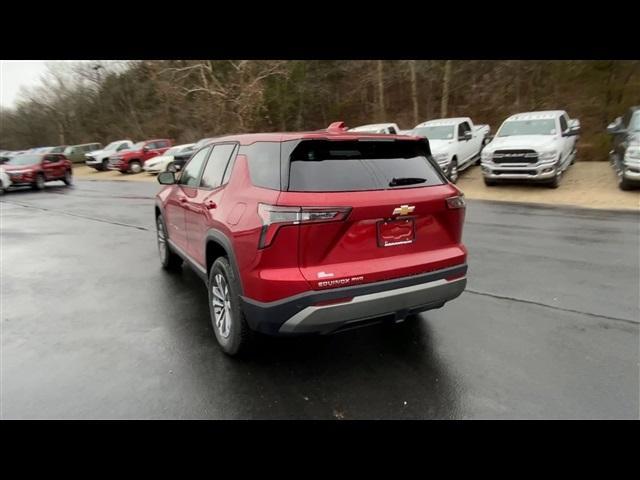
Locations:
{"points": [[455, 143], [532, 146]]}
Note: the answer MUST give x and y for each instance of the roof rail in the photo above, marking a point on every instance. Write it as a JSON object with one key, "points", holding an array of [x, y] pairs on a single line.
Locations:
{"points": [[337, 127]]}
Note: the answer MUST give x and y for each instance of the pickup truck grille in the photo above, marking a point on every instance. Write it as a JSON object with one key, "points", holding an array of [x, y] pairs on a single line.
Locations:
{"points": [[515, 156]]}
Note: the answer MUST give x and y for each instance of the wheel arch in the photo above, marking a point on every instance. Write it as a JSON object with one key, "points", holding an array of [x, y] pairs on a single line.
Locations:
{"points": [[218, 244]]}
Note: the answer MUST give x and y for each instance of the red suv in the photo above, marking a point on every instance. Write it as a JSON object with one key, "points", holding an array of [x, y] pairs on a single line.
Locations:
{"points": [[35, 169], [132, 159], [313, 232]]}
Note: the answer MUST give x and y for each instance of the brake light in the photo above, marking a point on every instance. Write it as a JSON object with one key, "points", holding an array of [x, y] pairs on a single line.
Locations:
{"points": [[456, 202], [273, 217]]}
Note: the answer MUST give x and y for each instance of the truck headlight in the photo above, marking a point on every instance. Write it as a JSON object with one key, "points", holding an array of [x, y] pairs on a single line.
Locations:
{"points": [[486, 155], [547, 156], [632, 153], [440, 157]]}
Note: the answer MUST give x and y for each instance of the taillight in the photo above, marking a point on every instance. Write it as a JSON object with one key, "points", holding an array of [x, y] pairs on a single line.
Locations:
{"points": [[456, 202], [273, 217]]}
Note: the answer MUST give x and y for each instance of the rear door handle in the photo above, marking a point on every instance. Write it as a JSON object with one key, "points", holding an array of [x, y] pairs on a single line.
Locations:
{"points": [[183, 200]]}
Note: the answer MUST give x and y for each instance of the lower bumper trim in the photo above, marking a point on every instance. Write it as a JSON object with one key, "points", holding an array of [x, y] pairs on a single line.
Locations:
{"points": [[400, 296], [400, 302]]}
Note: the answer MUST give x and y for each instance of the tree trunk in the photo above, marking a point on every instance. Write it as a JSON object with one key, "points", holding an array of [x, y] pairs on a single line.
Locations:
{"points": [[517, 80], [414, 90], [61, 134], [446, 80], [382, 111]]}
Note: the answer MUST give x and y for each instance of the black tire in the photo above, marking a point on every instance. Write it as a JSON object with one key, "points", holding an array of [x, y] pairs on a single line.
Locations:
{"points": [[135, 166], [170, 260], [453, 174], [489, 183], [231, 320], [105, 165], [39, 183], [555, 182], [68, 178], [623, 183]]}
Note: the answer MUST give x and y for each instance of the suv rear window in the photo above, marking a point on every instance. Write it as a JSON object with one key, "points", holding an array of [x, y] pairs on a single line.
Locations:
{"points": [[344, 166]]}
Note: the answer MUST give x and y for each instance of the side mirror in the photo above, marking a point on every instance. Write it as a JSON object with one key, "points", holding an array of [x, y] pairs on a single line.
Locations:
{"points": [[467, 136], [145, 148], [166, 178], [615, 126]]}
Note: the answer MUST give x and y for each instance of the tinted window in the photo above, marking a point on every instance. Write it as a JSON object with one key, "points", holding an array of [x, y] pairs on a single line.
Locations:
{"points": [[463, 128], [330, 166], [213, 172], [162, 144], [563, 124], [122, 146], [151, 145], [191, 172], [264, 163]]}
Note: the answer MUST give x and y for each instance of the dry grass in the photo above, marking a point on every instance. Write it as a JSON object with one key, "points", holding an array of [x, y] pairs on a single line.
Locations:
{"points": [[585, 184]]}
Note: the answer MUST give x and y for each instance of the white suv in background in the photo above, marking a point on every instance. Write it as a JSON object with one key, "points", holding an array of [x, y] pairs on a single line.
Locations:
{"points": [[99, 159], [532, 146]]}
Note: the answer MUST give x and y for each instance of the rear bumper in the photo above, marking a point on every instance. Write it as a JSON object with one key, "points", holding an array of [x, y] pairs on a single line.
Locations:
{"points": [[394, 299]]}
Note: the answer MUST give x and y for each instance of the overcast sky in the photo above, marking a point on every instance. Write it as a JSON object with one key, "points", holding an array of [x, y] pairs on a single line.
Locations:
{"points": [[14, 74]]}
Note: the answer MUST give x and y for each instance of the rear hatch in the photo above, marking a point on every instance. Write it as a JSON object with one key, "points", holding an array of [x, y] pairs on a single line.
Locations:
{"points": [[385, 208]]}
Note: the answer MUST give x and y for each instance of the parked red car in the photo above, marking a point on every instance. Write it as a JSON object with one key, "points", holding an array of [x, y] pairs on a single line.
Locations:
{"points": [[37, 168], [131, 160], [313, 232]]}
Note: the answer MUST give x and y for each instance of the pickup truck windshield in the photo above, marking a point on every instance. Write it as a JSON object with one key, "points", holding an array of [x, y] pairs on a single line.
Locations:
{"points": [[437, 132], [528, 127], [634, 125], [112, 146], [24, 160]]}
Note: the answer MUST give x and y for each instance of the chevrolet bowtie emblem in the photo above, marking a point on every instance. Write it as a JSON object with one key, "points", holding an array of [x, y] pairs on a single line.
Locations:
{"points": [[404, 210]]}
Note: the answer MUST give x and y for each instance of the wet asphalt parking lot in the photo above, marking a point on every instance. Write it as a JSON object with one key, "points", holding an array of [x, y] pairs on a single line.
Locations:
{"points": [[93, 328]]}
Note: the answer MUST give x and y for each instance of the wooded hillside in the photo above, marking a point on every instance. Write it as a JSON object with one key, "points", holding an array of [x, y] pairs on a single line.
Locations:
{"points": [[188, 100]]}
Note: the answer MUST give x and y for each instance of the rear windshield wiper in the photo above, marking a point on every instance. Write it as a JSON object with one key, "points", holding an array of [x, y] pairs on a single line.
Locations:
{"points": [[395, 182]]}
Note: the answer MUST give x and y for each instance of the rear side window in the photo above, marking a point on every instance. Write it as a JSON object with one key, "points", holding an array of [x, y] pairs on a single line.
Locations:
{"points": [[218, 160], [344, 166], [264, 163]]}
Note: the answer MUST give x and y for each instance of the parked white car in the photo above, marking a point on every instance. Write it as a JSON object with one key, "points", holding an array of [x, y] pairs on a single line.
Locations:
{"points": [[532, 146], [5, 181], [164, 162], [99, 159], [455, 143], [389, 128]]}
